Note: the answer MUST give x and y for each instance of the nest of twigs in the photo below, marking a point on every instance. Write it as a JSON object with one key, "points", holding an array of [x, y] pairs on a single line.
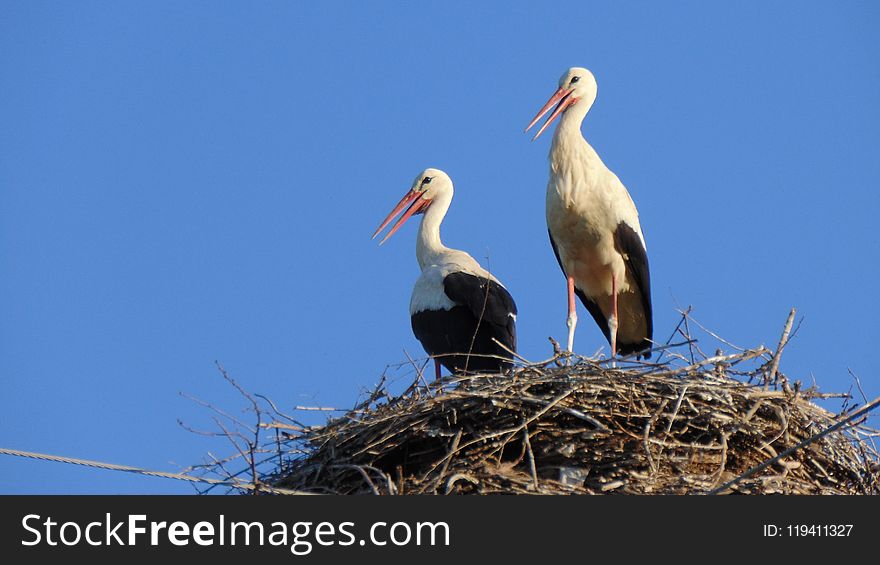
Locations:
{"points": [[697, 426]]}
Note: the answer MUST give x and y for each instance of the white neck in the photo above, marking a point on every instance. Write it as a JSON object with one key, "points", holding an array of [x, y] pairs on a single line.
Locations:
{"points": [[569, 145], [570, 121], [428, 244]]}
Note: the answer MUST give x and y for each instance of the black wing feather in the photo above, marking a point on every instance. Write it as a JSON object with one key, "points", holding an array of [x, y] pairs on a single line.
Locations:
{"points": [[629, 244], [487, 300]]}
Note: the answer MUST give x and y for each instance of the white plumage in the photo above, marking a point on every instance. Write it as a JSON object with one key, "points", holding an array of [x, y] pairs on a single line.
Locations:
{"points": [[428, 293], [594, 226], [459, 311]]}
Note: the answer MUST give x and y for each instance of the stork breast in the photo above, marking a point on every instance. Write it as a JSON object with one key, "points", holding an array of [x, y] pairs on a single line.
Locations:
{"points": [[586, 250]]}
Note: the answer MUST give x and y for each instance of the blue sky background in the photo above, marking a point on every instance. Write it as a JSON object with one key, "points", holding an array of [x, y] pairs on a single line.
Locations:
{"points": [[185, 182]]}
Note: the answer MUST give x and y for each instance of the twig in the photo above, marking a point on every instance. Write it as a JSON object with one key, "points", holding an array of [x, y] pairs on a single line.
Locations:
{"points": [[687, 332], [734, 358], [531, 457], [360, 469], [275, 409], [716, 336], [419, 375], [470, 350], [672, 335], [218, 411], [861, 411], [783, 341], [511, 351], [864, 399], [647, 433], [448, 459]]}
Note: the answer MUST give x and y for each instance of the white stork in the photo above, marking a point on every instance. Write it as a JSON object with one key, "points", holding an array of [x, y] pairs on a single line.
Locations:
{"points": [[457, 309], [594, 226]]}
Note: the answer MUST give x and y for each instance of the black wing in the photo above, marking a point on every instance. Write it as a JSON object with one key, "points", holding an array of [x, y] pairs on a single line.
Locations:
{"points": [[629, 244], [488, 301]]}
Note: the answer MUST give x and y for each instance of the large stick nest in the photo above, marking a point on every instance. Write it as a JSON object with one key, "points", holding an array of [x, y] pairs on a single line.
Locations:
{"points": [[551, 428]]}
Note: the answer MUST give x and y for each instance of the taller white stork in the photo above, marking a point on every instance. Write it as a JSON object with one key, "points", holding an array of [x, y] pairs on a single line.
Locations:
{"points": [[459, 311], [594, 226]]}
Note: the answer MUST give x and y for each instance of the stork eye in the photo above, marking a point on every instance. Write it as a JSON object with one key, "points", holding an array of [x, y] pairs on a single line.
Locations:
{"points": [[427, 180], [575, 79]]}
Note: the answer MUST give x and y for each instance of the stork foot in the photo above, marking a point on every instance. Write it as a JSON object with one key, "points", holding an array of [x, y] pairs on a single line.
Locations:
{"points": [[612, 327], [612, 321], [571, 322]]}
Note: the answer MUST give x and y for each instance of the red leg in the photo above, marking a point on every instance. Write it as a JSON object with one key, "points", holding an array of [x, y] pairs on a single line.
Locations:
{"points": [[436, 369]]}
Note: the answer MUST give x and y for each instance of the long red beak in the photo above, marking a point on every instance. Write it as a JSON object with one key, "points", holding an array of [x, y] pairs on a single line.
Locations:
{"points": [[416, 204], [566, 99]]}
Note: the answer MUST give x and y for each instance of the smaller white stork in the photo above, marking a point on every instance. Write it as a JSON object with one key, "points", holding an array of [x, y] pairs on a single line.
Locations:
{"points": [[594, 226], [459, 311]]}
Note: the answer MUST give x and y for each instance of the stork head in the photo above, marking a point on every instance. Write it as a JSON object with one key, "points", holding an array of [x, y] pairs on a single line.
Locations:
{"points": [[576, 86], [428, 186]]}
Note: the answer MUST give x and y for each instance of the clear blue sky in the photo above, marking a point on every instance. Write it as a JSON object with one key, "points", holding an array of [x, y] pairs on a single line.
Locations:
{"points": [[185, 182]]}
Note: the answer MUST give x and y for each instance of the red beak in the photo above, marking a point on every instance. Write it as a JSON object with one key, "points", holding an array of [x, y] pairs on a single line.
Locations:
{"points": [[416, 204], [565, 100]]}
